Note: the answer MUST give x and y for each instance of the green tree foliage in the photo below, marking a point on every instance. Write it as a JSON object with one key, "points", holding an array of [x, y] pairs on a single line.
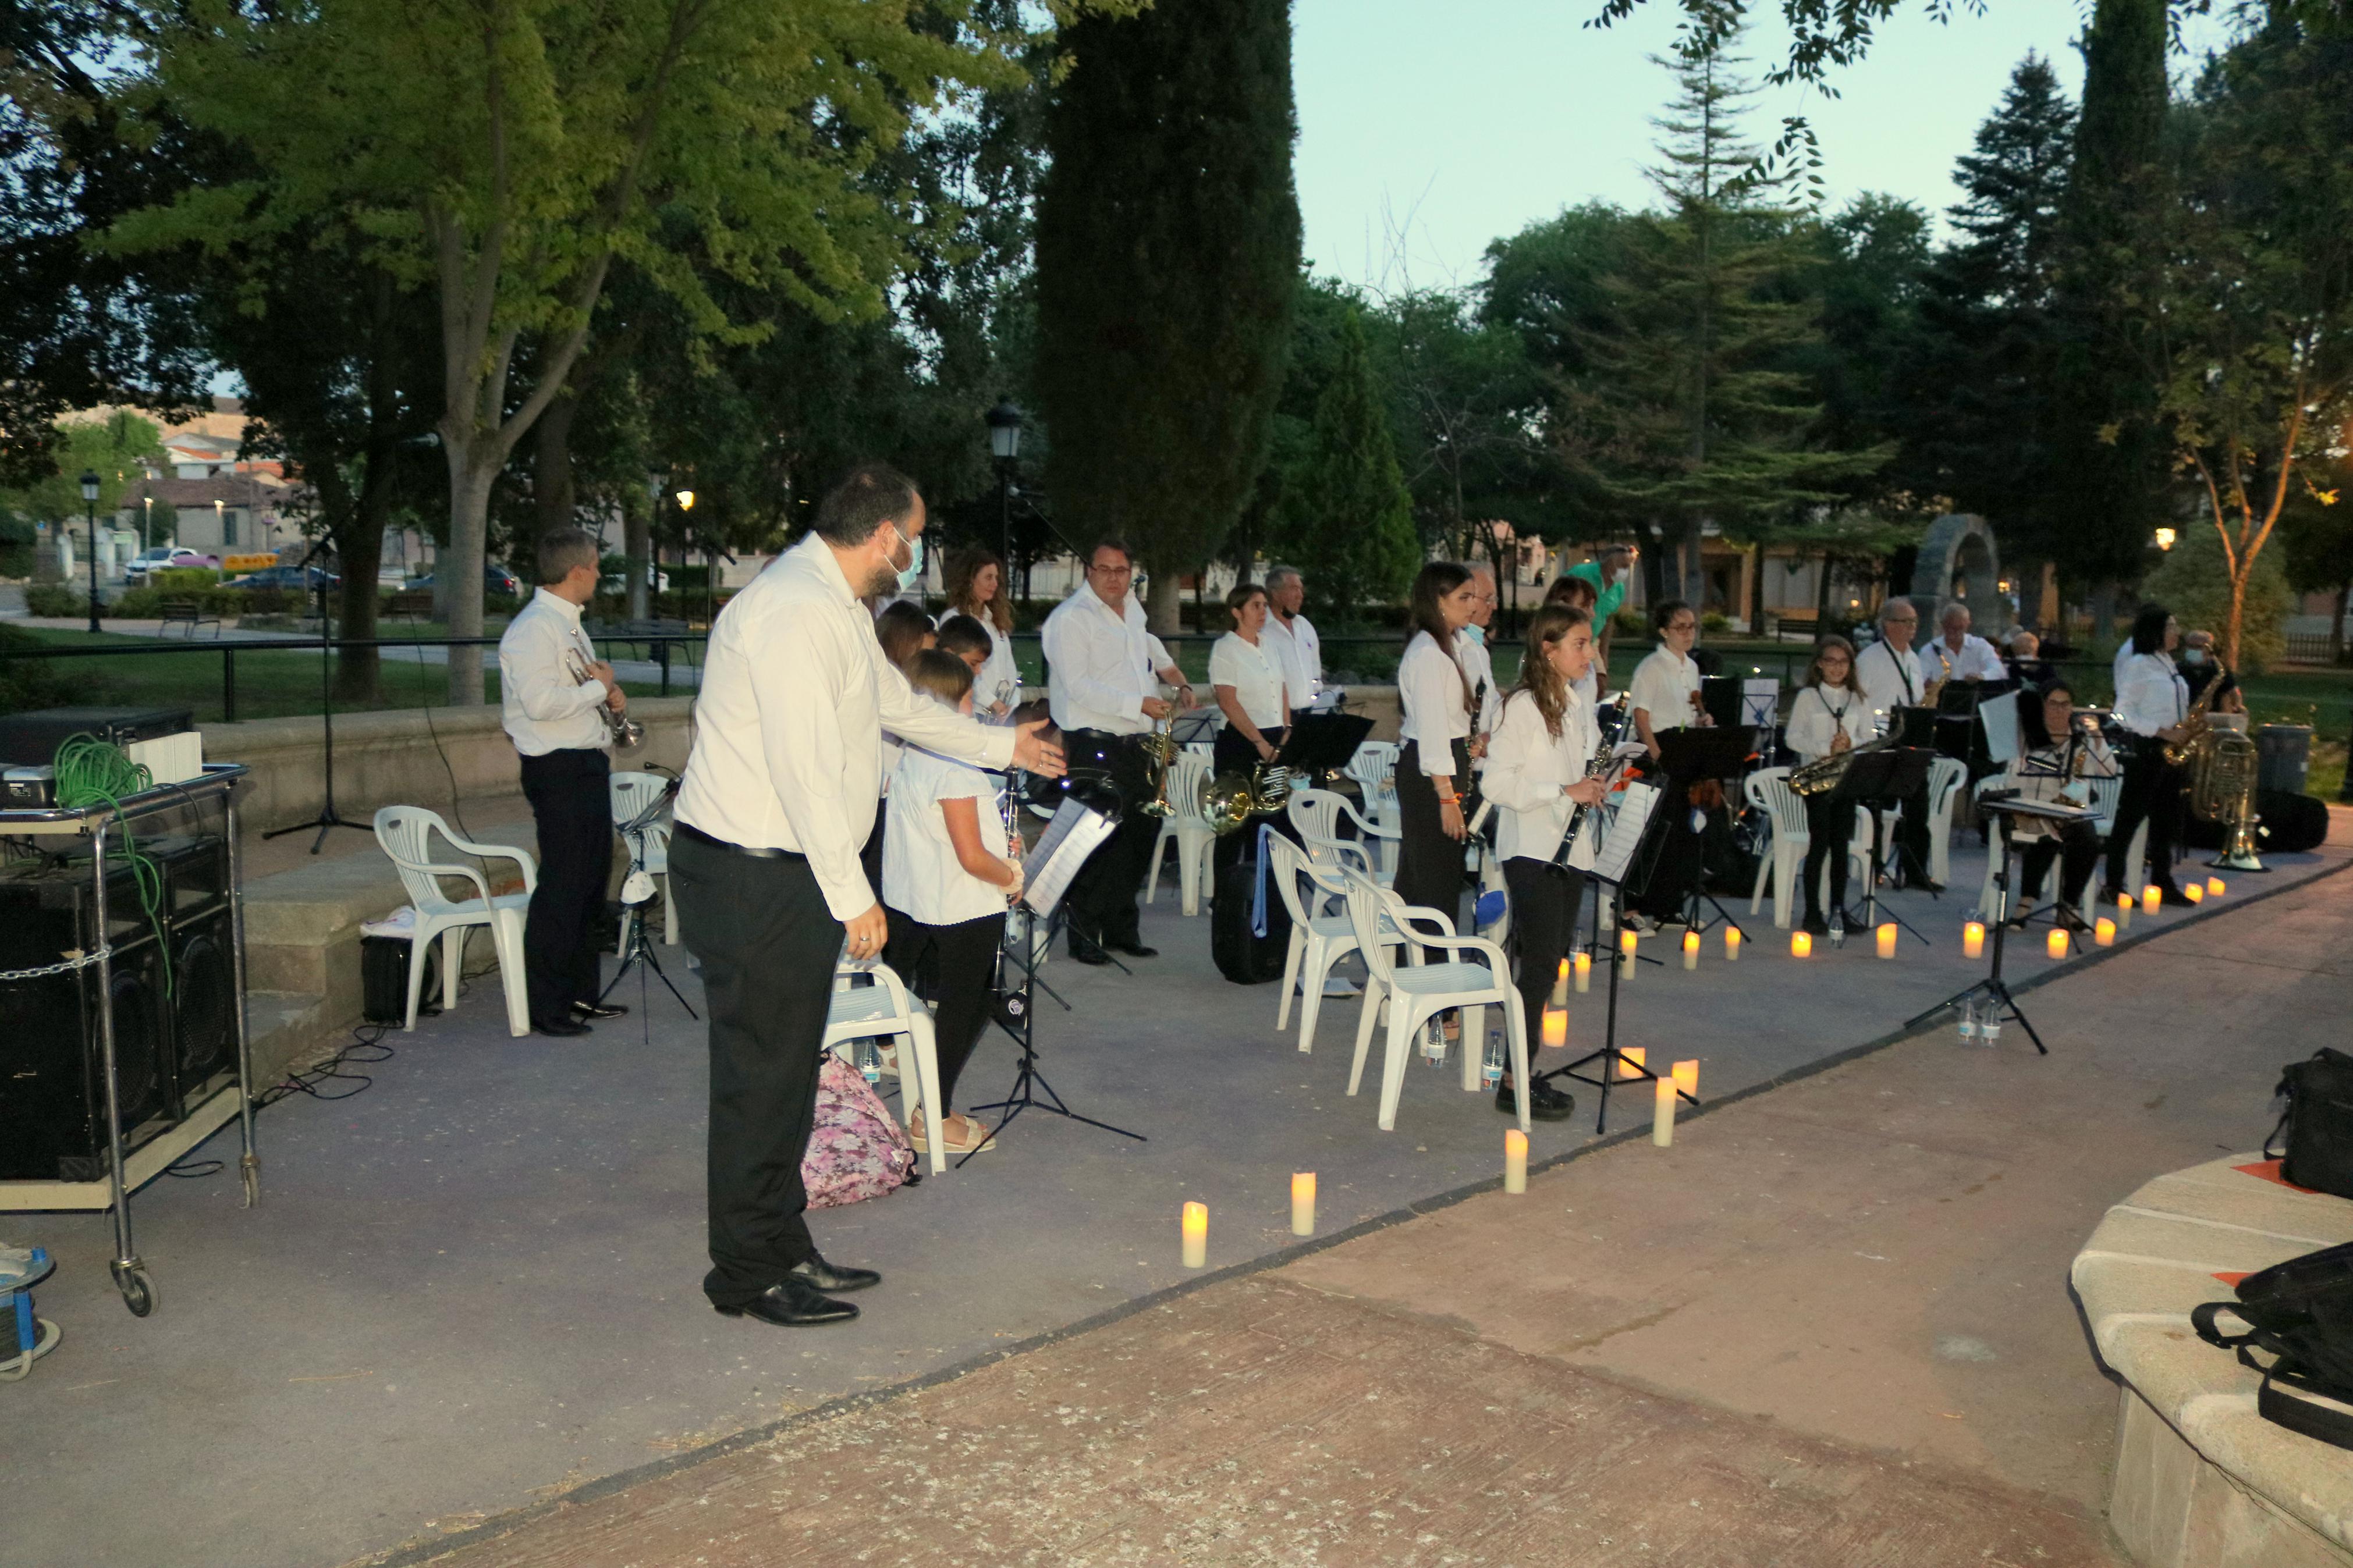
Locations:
{"points": [[2195, 582], [1167, 260], [119, 448], [1346, 518]]}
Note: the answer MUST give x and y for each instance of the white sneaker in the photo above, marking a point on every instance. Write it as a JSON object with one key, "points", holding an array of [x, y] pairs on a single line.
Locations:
{"points": [[1340, 985]]}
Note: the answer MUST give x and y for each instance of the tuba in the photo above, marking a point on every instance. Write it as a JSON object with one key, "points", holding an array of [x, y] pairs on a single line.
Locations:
{"points": [[1160, 748], [2223, 766]]}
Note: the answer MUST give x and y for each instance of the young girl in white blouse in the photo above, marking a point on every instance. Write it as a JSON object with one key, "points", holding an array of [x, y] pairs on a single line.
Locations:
{"points": [[1829, 715], [1433, 768], [1537, 763], [947, 874]]}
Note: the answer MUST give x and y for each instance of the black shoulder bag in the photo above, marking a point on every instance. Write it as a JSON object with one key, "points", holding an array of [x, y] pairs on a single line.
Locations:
{"points": [[2299, 1312]]}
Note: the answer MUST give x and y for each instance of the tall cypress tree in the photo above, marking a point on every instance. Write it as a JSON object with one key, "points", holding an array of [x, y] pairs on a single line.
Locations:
{"points": [[1347, 514], [1167, 254]]}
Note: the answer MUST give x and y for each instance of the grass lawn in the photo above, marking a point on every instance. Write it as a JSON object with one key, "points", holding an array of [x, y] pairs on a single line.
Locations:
{"points": [[269, 685]]}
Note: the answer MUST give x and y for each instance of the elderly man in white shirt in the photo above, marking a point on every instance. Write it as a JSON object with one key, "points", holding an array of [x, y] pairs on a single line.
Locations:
{"points": [[777, 797], [1294, 637], [555, 693], [1892, 677], [1104, 672], [1956, 654]]}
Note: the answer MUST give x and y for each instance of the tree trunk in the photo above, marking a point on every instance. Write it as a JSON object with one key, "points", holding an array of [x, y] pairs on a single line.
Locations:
{"points": [[2104, 612], [1164, 608], [2238, 610], [1756, 590], [358, 681], [637, 544], [1822, 596], [2337, 624], [1694, 588], [457, 575], [551, 485]]}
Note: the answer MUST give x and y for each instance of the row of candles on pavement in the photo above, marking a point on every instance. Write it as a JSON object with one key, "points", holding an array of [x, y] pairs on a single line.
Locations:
{"points": [[1681, 1080]]}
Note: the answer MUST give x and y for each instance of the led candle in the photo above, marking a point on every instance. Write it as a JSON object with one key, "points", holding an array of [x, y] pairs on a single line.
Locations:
{"points": [[2123, 912], [2214, 886], [1303, 1205], [1886, 935], [1626, 948], [1584, 970], [1662, 1113], [1632, 1063], [2055, 944], [1197, 1235], [1687, 1077], [1555, 1026], [1516, 1161], [2150, 898], [1802, 945], [1973, 939], [1560, 985], [1732, 944], [2194, 893], [1690, 950], [2103, 932]]}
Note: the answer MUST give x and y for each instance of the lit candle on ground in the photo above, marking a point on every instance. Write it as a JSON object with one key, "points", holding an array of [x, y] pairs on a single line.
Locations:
{"points": [[1560, 985], [1584, 972], [1662, 1114], [1690, 950], [1886, 935], [2214, 886], [1197, 1235], [1555, 1026], [2055, 944], [1626, 948], [1802, 945], [1516, 1161], [1973, 939], [1632, 1065], [2103, 932], [1303, 1205], [2123, 912], [1687, 1076], [1732, 944], [2194, 893], [2150, 898]]}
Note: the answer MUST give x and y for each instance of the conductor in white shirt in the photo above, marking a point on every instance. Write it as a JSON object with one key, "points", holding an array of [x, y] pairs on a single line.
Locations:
{"points": [[1294, 637], [1959, 655], [777, 797], [553, 695], [1104, 673]]}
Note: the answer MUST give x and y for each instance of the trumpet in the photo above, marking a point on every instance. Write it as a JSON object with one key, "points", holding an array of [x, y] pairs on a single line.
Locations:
{"points": [[625, 733], [1160, 748]]}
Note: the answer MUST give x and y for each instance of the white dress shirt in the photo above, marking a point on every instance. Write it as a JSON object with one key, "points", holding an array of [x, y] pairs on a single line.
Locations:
{"points": [[1432, 701], [1001, 670], [543, 705], [1302, 656], [1889, 680], [921, 878], [2151, 694], [1818, 713], [1663, 686], [788, 728], [1100, 667], [1527, 770], [1975, 661], [1254, 672]]}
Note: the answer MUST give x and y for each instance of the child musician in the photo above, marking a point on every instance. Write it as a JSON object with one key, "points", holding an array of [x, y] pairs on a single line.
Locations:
{"points": [[1536, 766], [946, 877], [1829, 715]]}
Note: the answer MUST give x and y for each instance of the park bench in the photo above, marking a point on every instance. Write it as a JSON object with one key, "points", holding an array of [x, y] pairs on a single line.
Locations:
{"points": [[187, 613], [1799, 625], [414, 604]]}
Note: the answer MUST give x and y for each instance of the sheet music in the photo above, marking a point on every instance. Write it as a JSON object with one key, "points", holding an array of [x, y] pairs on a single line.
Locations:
{"points": [[1624, 832], [1073, 836], [2000, 715], [1760, 701]]}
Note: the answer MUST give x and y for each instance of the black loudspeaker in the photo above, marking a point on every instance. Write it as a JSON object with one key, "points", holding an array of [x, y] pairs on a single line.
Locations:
{"points": [[203, 1005]]}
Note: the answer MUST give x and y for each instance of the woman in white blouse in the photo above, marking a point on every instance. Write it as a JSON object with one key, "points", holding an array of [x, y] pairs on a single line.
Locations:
{"points": [[2054, 762], [1663, 696], [1829, 715], [1537, 775], [975, 587], [1434, 763], [1246, 673], [2152, 700]]}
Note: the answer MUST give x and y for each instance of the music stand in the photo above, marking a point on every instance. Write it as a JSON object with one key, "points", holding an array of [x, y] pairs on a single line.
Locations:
{"points": [[328, 817], [1075, 833], [1873, 782], [1718, 752], [634, 948], [2004, 805], [1321, 743]]}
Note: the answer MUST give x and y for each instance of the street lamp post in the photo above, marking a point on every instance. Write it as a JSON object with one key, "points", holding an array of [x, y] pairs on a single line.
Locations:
{"points": [[1004, 445], [90, 508]]}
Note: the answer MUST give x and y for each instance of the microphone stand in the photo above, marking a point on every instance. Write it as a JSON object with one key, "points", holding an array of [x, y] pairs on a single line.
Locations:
{"points": [[328, 817]]}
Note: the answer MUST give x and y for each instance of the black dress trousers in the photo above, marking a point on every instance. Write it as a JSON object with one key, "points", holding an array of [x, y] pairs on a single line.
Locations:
{"points": [[1101, 903], [768, 945], [1429, 864], [571, 803]]}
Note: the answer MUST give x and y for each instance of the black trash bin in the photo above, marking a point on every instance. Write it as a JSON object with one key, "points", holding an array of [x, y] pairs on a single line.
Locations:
{"points": [[2283, 757]]}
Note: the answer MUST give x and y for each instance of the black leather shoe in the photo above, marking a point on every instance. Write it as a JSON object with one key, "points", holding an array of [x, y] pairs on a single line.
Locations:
{"points": [[1545, 1103], [561, 1028], [2172, 896], [791, 1304], [1135, 949], [598, 1012], [1814, 924], [1088, 952], [832, 1275]]}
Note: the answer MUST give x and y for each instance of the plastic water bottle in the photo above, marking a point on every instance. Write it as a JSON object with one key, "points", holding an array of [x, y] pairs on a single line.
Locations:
{"points": [[1989, 1025], [870, 1062], [1433, 1043], [1969, 1020], [1491, 1067], [1838, 927]]}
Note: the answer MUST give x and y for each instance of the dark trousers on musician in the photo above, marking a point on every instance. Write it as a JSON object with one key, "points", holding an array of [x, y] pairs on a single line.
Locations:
{"points": [[767, 943], [1235, 754], [1429, 864], [2077, 850], [2151, 793], [571, 803], [1829, 827], [957, 963], [1101, 903], [1545, 901], [1910, 850]]}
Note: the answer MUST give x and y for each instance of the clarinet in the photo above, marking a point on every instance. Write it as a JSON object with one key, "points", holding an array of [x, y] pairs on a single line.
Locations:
{"points": [[1607, 726]]}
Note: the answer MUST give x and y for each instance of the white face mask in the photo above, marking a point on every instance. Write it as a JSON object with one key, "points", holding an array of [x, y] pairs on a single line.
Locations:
{"points": [[2193, 655]]}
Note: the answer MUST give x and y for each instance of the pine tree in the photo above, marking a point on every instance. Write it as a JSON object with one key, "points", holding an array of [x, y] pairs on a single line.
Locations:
{"points": [[1347, 516], [1167, 257]]}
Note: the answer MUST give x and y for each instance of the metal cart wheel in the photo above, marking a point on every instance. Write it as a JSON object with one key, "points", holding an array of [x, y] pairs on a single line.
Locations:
{"points": [[139, 1292]]}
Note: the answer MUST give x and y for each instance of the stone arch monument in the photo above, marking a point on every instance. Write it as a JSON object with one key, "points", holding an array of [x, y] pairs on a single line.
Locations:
{"points": [[1958, 560]]}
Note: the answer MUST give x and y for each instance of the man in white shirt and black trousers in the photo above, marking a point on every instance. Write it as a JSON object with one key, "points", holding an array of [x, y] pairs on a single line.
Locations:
{"points": [[1890, 674], [1103, 676], [777, 797], [553, 694]]}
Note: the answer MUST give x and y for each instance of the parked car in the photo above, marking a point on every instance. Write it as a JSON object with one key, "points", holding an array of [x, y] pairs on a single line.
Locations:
{"points": [[497, 581], [163, 556], [616, 583], [302, 579]]}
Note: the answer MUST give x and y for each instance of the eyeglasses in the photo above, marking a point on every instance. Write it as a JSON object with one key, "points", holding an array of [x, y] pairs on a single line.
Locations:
{"points": [[1124, 570], [1683, 625]]}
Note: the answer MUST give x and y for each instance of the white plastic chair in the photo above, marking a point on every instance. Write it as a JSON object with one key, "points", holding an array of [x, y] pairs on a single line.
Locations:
{"points": [[2104, 794], [1318, 940], [404, 834], [1374, 767], [1411, 995], [1945, 777], [1768, 790], [631, 795], [1314, 815], [1187, 830], [864, 1012]]}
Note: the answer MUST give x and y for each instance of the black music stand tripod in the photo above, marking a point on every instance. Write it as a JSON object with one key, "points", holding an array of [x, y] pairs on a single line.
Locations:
{"points": [[636, 946], [1993, 988], [1716, 751], [1610, 1065], [1875, 781]]}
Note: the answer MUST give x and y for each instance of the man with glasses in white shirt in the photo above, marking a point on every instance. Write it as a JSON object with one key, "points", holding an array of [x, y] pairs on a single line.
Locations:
{"points": [[777, 797], [1104, 672]]}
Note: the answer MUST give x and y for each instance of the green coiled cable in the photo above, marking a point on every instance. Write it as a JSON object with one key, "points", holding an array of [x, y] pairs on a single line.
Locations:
{"points": [[91, 772]]}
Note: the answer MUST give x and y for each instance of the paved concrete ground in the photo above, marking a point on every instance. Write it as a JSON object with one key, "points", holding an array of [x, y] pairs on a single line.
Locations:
{"points": [[476, 1284]]}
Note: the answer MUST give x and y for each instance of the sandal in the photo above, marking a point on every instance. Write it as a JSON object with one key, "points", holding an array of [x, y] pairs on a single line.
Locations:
{"points": [[948, 1144]]}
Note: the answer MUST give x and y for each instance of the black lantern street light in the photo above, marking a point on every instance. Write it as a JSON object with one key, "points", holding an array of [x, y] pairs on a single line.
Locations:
{"points": [[90, 507], [1004, 445]]}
